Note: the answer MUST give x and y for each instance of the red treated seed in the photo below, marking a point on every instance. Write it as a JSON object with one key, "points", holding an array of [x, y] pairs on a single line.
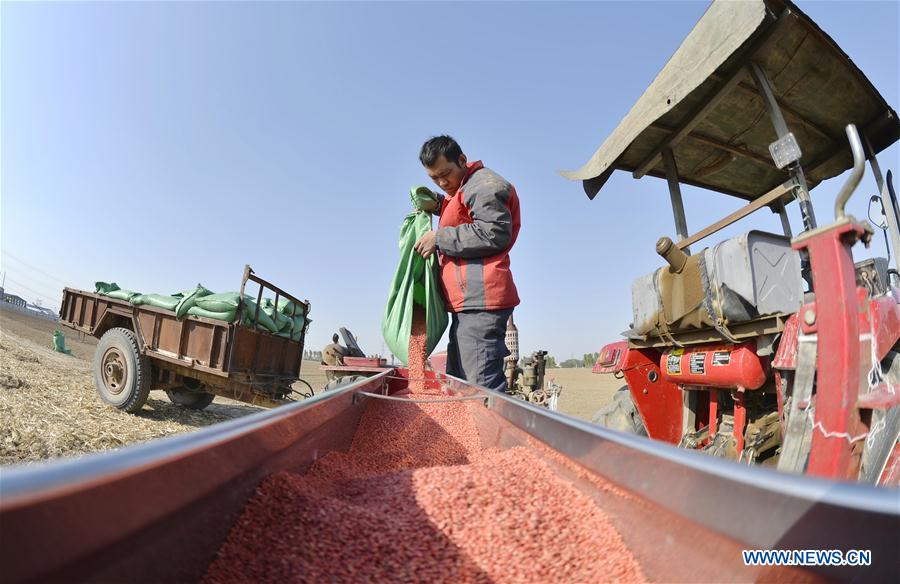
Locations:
{"points": [[418, 344], [417, 499]]}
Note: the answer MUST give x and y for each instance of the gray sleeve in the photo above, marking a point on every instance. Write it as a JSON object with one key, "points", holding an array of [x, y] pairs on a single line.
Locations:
{"points": [[491, 229]]}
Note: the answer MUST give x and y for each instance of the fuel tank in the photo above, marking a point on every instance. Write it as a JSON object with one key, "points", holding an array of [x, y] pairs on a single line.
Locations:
{"points": [[722, 366]]}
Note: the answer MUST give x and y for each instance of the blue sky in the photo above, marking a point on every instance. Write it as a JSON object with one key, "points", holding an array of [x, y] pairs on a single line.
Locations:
{"points": [[160, 145]]}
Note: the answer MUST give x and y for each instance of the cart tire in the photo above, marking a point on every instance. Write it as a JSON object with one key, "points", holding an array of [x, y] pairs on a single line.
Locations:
{"points": [[193, 400], [620, 414], [342, 381], [121, 372]]}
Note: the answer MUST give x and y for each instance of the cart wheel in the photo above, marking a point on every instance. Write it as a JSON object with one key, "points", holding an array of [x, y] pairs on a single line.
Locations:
{"points": [[620, 414], [121, 372], [194, 400]]}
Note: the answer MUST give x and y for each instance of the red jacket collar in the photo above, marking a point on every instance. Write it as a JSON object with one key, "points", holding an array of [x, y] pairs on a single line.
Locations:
{"points": [[471, 168]]}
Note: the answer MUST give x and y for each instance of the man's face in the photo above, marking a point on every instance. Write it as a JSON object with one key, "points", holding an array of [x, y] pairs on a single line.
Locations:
{"points": [[448, 175]]}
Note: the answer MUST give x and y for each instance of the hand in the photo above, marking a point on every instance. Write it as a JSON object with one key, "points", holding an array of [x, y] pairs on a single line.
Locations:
{"points": [[429, 206], [426, 244]]}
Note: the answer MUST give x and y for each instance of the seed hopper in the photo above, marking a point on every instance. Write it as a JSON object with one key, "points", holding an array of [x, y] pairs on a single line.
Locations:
{"points": [[160, 511]]}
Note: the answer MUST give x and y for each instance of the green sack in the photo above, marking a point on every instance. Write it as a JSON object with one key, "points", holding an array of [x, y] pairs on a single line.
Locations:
{"points": [[105, 288], [300, 324], [157, 300], [221, 302], [113, 291], [396, 326], [189, 299], [59, 342], [286, 307], [282, 323], [421, 195], [265, 321], [226, 315]]}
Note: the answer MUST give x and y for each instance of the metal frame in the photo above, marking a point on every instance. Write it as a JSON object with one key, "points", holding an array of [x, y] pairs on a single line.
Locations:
{"points": [[771, 198], [262, 382], [193, 487], [675, 195], [890, 212], [800, 188], [848, 330]]}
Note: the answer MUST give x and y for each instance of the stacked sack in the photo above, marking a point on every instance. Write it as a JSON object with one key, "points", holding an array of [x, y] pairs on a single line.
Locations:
{"points": [[284, 320]]}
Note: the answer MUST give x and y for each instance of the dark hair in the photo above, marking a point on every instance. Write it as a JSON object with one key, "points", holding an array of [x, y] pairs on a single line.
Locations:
{"points": [[437, 146]]}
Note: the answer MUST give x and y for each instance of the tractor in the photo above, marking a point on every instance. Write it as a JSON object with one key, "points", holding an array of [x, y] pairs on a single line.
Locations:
{"points": [[769, 348]]}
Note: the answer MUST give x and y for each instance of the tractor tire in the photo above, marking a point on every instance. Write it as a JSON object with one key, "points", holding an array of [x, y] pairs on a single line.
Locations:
{"points": [[121, 372], [620, 414], [193, 400], [342, 381]]}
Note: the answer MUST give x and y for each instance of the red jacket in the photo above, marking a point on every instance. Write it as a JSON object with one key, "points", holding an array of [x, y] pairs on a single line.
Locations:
{"points": [[478, 226]]}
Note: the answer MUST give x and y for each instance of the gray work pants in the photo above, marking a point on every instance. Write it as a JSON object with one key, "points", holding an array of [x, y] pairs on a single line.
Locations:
{"points": [[478, 346]]}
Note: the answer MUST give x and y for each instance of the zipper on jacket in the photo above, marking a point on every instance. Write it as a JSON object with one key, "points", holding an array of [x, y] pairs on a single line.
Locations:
{"points": [[459, 281]]}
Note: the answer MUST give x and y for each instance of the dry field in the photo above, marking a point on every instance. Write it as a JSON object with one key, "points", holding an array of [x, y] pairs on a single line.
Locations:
{"points": [[49, 407], [583, 392]]}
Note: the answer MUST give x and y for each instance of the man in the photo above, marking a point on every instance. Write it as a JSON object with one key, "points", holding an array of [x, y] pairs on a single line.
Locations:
{"points": [[479, 223]]}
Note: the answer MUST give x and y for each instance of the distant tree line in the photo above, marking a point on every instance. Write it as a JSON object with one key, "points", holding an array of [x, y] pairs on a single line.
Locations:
{"points": [[587, 360]]}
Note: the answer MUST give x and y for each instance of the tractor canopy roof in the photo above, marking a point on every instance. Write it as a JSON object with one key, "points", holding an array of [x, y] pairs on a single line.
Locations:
{"points": [[706, 108]]}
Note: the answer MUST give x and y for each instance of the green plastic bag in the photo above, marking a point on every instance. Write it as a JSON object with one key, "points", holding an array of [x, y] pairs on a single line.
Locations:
{"points": [[189, 299], [113, 291], [297, 329], [226, 315], [420, 196], [105, 288], [287, 307], [157, 300], [221, 302], [264, 320], [283, 324], [59, 342], [415, 282]]}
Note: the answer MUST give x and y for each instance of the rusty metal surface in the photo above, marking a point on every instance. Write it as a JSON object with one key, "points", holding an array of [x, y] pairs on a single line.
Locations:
{"points": [[281, 359], [241, 362]]}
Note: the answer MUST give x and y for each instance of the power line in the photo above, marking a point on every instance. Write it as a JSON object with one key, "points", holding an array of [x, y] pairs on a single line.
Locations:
{"points": [[33, 279], [44, 298], [40, 288], [33, 267]]}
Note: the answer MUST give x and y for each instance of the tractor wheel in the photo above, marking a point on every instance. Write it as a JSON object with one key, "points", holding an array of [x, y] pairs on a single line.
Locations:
{"points": [[885, 430], [121, 372], [343, 381], [190, 395], [620, 414]]}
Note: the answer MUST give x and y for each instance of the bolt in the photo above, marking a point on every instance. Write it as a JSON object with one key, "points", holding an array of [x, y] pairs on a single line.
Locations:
{"points": [[809, 317], [645, 391]]}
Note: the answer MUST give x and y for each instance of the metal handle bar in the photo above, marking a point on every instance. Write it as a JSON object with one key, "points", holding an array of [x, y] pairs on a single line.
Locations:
{"points": [[859, 167]]}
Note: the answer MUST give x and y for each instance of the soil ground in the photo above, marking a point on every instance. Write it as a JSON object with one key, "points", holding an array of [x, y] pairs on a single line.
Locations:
{"points": [[583, 392], [49, 406]]}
